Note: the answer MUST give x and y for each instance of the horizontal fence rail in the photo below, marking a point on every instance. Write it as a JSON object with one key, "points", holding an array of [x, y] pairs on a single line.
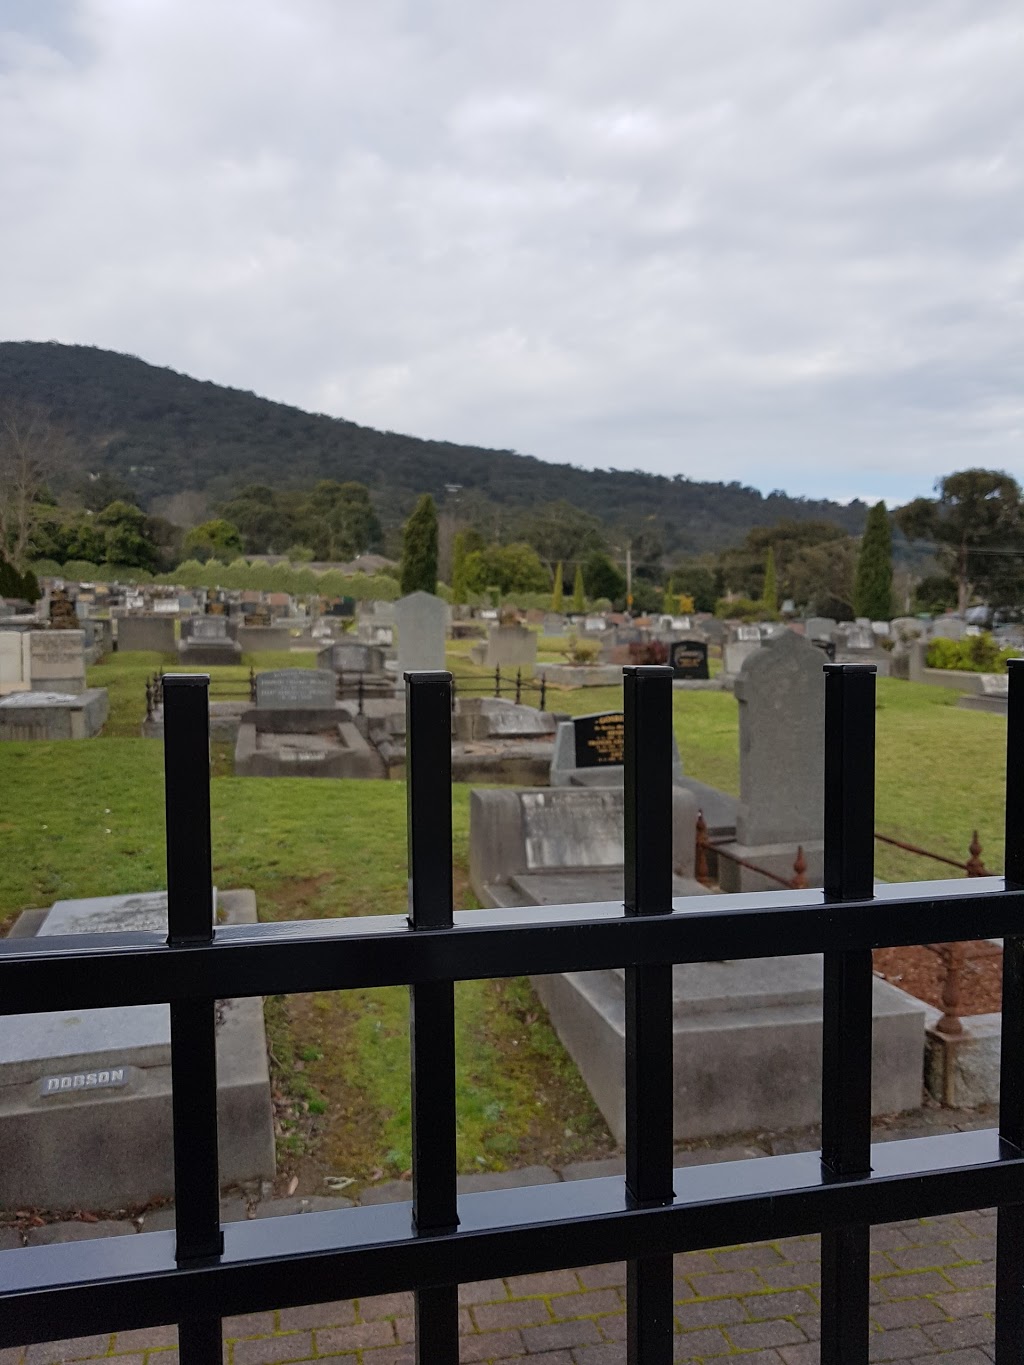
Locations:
{"points": [[201, 1272]]}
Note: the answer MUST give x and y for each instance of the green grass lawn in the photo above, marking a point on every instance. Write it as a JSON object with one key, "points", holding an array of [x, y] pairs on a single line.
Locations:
{"points": [[81, 819]]}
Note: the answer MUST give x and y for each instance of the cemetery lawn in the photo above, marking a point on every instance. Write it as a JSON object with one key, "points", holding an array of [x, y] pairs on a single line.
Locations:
{"points": [[86, 818]]}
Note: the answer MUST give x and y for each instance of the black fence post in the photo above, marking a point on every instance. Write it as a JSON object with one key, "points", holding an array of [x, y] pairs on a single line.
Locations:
{"points": [[543, 690], [361, 693], [519, 685], [190, 914], [1009, 1334], [497, 680], [846, 1024], [647, 794], [428, 703]]}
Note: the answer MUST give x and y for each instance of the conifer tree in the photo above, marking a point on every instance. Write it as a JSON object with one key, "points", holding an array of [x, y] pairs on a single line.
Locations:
{"points": [[669, 602], [558, 593], [419, 548], [460, 590], [872, 592], [770, 592], [577, 590]]}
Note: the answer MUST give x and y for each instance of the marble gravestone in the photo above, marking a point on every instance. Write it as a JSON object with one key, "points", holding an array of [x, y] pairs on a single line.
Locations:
{"points": [[85, 1095], [56, 660], [296, 689], [781, 695], [422, 623]]}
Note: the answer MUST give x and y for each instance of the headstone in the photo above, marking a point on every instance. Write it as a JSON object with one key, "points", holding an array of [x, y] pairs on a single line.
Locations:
{"points": [[296, 689], [736, 652], [211, 629], [350, 656], [599, 740], [554, 624], [153, 633], [12, 672], [995, 684], [820, 627], [948, 628], [594, 624], [422, 621], [689, 659], [57, 660], [590, 751], [748, 633], [510, 647], [858, 637]]}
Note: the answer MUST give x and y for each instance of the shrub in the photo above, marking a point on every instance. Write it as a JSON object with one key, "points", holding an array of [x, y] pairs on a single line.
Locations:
{"points": [[972, 654], [579, 651]]}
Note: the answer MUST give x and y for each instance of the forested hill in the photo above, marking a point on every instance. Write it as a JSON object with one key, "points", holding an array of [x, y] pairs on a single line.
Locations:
{"points": [[163, 432]]}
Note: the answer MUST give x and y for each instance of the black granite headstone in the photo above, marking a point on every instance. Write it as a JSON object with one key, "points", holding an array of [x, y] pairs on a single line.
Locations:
{"points": [[689, 659], [600, 740]]}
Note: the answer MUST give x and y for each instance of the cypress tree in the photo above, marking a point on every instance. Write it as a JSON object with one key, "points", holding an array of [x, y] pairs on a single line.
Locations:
{"points": [[770, 594], [558, 593], [577, 590], [669, 602], [872, 592], [419, 548], [459, 589], [30, 586], [10, 579]]}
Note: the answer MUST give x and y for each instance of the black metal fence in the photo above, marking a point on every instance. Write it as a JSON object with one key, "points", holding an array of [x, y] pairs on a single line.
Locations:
{"points": [[200, 1272], [500, 685]]}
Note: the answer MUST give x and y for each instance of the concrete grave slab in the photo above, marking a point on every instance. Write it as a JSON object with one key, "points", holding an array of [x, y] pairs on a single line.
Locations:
{"points": [[53, 715], [85, 1096]]}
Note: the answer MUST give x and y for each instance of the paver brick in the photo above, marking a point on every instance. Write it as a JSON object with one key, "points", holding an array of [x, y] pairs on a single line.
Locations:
{"points": [[952, 1336], [385, 1306], [270, 1350], [73, 1348], [555, 1336], [356, 1337], [933, 1256], [548, 1282], [388, 1355], [693, 1263], [610, 1353], [710, 1313], [490, 1346], [748, 1258], [775, 1333], [902, 1343], [968, 1303], [969, 1356], [520, 1313], [800, 1248], [810, 1325], [482, 1291], [807, 1354], [338, 1314], [978, 1276], [907, 1313], [708, 1341], [248, 1325], [726, 1282], [802, 1275], [586, 1305], [609, 1275], [785, 1304], [887, 1237], [911, 1283], [145, 1339]]}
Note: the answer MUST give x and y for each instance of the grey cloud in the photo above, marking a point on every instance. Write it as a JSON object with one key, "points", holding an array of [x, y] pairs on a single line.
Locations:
{"points": [[780, 244]]}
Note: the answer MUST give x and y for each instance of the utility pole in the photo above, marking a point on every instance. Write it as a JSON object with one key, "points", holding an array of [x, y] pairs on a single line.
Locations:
{"points": [[629, 577]]}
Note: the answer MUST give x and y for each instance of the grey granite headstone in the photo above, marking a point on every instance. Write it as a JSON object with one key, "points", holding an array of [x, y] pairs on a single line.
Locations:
{"points": [[57, 660], [820, 627], [154, 633], [213, 628], [422, 621], [781, 695], [296, 689], [351, 656]]}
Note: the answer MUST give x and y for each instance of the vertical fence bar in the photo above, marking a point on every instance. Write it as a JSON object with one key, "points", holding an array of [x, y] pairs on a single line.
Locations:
{"points": [[846, 1023], [647, 794], [428, 702], [193, 1022], [1009, 1336]]}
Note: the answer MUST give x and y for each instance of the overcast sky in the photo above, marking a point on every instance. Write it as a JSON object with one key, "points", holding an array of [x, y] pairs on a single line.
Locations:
{"points": [[775, 242]]}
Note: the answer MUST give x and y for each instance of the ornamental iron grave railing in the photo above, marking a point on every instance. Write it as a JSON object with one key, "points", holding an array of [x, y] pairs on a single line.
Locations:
{"points": [[201, 1271]]}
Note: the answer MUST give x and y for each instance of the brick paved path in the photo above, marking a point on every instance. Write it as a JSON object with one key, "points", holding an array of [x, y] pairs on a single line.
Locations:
{"points": [[931, 1301]]}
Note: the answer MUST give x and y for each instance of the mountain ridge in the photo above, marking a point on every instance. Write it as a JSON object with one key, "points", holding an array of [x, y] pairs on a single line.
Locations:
{"points": [[165, 432]]}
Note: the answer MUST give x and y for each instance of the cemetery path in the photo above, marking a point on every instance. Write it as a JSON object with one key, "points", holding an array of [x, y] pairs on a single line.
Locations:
{"points": [[931, 1301]]}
